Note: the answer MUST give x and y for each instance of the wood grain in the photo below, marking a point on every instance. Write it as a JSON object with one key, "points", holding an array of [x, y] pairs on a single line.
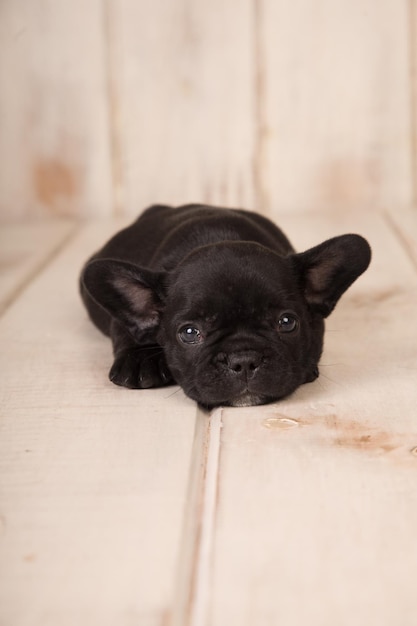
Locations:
{"points": [[316, 501], [185, 97], [24, 249], [93, 478], [121, 507], [54, 137], [336, 112], [107, 106]]}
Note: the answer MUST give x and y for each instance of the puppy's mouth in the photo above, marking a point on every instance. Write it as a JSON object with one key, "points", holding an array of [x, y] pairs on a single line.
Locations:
{"points": [[247, 398]]}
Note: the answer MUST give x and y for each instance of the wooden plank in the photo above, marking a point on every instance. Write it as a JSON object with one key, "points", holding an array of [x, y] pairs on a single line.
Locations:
{"points": [[185, 98], [94, 478], [24, 249], [335, 104], [316, 501], [54, 136]]}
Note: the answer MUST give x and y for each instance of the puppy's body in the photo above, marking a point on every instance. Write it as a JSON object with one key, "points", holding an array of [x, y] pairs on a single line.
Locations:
{"points": [[217, 301]]}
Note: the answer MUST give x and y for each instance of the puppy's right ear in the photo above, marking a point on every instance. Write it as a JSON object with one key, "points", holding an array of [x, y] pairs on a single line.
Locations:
{"points": [[131, 295], [328, 269]]}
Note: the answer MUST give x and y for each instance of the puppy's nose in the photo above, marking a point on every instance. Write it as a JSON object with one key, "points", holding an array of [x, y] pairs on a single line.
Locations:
{"points": [[244, 364]]}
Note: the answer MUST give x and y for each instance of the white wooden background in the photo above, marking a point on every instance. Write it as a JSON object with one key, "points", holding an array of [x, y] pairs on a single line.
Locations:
{"points": [[109, 105], [122, 508]]}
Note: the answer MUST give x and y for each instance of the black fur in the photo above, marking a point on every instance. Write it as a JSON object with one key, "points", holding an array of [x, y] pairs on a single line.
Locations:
{"points": [[217, 301]]}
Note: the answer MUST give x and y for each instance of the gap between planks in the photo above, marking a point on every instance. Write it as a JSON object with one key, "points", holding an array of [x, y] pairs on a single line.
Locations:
{"points": [[406, 237], [191, 602]]}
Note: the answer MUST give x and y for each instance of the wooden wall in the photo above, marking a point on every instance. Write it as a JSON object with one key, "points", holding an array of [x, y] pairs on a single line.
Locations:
{"points": [[109, 105]]}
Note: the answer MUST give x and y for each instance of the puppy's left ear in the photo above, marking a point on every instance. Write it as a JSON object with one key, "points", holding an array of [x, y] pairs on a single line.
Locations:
{"points": [[131, 295], [328, 269]]}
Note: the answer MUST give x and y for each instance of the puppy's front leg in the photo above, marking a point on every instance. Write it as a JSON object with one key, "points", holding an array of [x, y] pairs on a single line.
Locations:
{"points": [[137, 366]]}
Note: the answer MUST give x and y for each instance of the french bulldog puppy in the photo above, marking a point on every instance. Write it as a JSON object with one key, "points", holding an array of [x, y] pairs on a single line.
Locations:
{"points": [[217, 301]]}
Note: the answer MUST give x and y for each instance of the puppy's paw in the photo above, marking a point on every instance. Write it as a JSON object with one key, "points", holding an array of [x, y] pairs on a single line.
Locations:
{"points": [[141, 368]]}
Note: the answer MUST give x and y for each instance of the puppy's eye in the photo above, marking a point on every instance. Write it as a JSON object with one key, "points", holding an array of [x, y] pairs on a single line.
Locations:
{"points": [[190, 335], [287, 323]]}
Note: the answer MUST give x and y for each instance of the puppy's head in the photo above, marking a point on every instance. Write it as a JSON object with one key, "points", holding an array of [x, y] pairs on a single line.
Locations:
{"points": [[239, 324]]}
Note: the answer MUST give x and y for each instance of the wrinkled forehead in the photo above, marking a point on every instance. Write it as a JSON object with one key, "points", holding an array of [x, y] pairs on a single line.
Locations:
{"points": [[247, 279]]}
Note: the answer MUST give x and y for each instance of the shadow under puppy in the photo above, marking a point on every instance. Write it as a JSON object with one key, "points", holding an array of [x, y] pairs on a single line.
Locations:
{"points": [[217, 301]]}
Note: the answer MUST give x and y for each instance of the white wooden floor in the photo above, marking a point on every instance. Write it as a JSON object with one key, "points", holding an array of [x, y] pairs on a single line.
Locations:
{"points": [[124, 507]]}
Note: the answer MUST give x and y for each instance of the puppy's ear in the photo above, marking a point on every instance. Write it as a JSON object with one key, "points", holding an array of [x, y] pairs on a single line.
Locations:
{"points": [[131, 295], [330, 268]]}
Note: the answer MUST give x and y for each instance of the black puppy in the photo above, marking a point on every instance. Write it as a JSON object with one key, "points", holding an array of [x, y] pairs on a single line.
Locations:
{"points": [[217, 301]]}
